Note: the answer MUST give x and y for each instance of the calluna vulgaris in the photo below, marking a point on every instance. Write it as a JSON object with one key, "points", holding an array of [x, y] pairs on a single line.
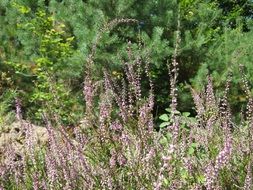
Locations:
{"points": [[117, 144]]}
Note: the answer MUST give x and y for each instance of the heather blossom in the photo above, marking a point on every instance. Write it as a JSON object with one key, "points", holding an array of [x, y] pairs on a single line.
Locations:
{"points": [[248, 179], [116, 126], [113, 159], [18, 109], [224, 155], [212, 170], [89, 90]]}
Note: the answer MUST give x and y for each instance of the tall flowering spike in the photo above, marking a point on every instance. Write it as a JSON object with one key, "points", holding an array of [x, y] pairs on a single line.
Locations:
{"points": [[225, 112], [148, 74], [151, 99], [248, 93], [150, 155], [89, 90], [174, 73], [224, 155], [113, 159], [132, 69], [30, 141], [212, 172], [69, 152], [130, 108], [51, 168], [251, 135], [248, 180], [199, 103], [138, 77], [145, 118], [133, 72], [18, 109], [3, 171], [105, 108], [210, 98], [36, 183], [12, 163], [109, 86], [144, 113], [188, 164], [173, 89], [124, 92], [165, 167], [175, 129], [249, 113], [210, 176], [54, 144], [80, 137]]}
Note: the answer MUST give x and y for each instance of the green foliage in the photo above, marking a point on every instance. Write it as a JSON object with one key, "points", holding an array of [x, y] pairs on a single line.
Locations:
{"points": [[226, 57], [7, 115], [50, 52], [185, 118]]}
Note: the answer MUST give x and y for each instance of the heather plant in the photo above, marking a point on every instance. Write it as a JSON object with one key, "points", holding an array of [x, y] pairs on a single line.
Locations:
{"points": [[116, 147], [119, 145]]}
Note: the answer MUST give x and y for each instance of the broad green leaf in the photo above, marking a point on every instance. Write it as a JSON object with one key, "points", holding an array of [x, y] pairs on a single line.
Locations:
{"points": [[186, 114], [164, 124], [168, 110], [164, 117], [191, 150]]}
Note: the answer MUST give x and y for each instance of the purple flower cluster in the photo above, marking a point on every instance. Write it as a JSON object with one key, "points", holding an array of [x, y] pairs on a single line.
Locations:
{"points": [[212, 171]]}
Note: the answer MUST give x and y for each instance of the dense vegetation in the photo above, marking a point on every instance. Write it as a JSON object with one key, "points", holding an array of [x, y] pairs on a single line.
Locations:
{"points": [[134, 94]]}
